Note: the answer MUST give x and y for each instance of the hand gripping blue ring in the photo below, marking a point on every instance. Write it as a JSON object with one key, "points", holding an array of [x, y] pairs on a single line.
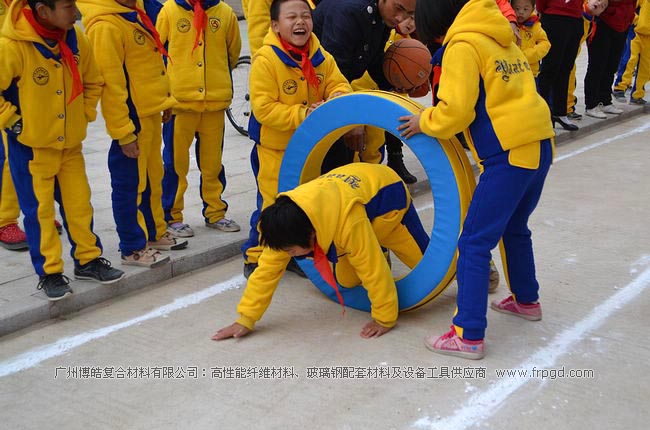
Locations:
{"points": [[381, 110]]}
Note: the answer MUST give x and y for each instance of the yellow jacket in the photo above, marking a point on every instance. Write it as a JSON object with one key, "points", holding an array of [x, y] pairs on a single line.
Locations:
{"points": [[534, 43], [4, 10], [280, 95], [45, 84], [258, 18], [643, 21], [339, 207], [129, 60], [200, 78], [487, 89]]}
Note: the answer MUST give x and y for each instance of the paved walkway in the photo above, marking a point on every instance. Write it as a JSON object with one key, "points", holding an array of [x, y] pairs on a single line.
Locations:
{"points": [[21, 305]]}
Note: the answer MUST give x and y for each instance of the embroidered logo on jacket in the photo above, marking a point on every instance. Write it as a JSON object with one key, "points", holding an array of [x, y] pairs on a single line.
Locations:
{"points": [[506, 69], [290, 86], [353, 181], [214, 24], [138, 36], [41, 76], [183, 25], [320, 77]]}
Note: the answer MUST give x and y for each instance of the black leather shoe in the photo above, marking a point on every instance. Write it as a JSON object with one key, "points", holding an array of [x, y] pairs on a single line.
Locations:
{"points": [[565, 125]]}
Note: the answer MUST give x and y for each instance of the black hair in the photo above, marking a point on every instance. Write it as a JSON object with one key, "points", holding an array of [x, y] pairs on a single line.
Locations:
{"points": [[284, 224], [275, 8], [49, 3], [532, 2], [434, 17]]}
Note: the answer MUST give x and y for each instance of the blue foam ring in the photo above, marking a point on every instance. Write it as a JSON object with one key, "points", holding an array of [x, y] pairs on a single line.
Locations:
{"points": [[379, 110]]}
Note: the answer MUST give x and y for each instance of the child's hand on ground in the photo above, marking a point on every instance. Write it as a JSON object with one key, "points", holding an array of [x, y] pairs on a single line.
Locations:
{"points": [[166, 115], [355, 139], [131, 150], [374, 329], [411, 126], [234, 330]]}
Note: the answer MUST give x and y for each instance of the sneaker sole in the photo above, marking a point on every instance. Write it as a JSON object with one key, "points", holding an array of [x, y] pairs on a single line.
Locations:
{"points": [[469, 355], [21, 246], [175, 247], [89, 278], [181, 235], [225, 230], [507, 312], [55, 299]]}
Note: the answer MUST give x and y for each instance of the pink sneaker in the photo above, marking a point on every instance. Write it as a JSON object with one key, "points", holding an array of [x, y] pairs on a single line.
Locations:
{"points": [[13, 238], [531, 312], [450, 344]]}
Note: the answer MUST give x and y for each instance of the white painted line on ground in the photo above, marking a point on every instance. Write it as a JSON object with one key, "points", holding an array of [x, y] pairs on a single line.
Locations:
{"points": [[35, 356], [484, 404]]}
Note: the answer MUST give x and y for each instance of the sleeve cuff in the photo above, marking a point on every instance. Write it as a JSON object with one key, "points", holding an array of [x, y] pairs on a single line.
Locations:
{"points": [[130, 138], [247, 322]]}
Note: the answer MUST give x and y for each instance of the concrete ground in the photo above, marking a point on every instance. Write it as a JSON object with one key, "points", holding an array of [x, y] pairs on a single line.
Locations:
{"points": [[145, 359]]}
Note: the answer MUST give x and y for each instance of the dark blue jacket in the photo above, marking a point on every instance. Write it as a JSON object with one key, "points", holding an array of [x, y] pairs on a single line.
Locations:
{"points": [[354, 33]]}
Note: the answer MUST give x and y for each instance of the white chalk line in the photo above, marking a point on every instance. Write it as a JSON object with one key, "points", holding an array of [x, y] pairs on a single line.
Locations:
{"points": [[482, 405], [35, 356]]}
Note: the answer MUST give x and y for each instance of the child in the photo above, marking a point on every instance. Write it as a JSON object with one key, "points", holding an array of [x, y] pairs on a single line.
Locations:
{"points": [[129, 54], [592, 10], [345, 216], [534, 41], [507, 125], [290, 76], [203, 50], [639, 57], [59, 84]]}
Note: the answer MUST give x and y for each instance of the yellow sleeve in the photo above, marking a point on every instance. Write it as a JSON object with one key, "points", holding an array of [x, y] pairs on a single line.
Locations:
{"points": [[365, 255], [233, 40], [260, 286], [265, 98], [162, 25], [335, 82], [541, 47], [11, 65], [92, 78], [108, 46], [458, 92], [259, 22]]}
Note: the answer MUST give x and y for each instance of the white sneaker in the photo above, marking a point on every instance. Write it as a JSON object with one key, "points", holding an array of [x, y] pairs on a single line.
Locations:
{"points": [[612, 109], [178, 229], [596, 112]]}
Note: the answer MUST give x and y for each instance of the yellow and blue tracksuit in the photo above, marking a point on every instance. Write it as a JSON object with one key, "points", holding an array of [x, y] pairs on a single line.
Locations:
{"points": [[487, 90], [280, 97], [355, 210], [136, 92], [45, 159], [534, 42], [640, 49], [9, 209], [201, 83], [590, 23]]}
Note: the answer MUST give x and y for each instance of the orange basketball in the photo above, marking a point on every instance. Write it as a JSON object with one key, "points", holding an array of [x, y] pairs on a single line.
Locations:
{"points": [[407, 64]]}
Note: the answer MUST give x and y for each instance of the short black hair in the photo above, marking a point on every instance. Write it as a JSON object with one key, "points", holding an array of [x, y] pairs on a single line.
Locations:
{"points": [[275, 8], [284, 224], [49, 3], [434, 17], [532, 2]]}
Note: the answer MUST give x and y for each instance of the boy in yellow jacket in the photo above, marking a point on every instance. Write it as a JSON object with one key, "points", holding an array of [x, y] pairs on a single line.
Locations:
{"points": [[344, 217], [130, 57], [290, 76], [507, 125], [204, 43], [50, 63]]}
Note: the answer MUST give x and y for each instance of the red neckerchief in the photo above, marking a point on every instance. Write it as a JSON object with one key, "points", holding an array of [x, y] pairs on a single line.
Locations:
{"points": [[200, 20], [529, 22], [66, 53], [435, 80], [592, 19], [307, 68], [146, 21], [322, 264]]}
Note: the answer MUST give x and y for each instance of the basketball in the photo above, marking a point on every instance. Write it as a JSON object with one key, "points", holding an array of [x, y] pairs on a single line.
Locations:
{"points": [[407, 64]]}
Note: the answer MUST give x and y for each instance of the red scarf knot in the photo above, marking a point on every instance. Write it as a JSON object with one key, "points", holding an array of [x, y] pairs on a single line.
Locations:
{"points": [[306, 66], [67, 57]]}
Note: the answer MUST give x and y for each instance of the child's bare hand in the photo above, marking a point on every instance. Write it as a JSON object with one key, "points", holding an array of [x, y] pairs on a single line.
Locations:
{"points": [[374, 329], [166, 115], [355, 139], [131, 150], [515, 31], [335, 94], [314, 106], [411, 126], [234, 330]]}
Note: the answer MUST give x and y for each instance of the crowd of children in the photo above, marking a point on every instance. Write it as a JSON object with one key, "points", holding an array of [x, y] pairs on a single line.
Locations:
{"points": [[162, 73]]}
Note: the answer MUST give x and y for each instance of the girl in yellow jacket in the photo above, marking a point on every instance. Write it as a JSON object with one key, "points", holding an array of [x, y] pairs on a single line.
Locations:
{"points": [[487, 90], [534, 41], [204, 43], [291, 74], [344, 217], [129, 54]]}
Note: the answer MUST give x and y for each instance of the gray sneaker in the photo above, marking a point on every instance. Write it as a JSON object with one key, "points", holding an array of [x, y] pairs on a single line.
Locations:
{"points": [[619, 96], [178, 229], [639, 101], [224, 224]]}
